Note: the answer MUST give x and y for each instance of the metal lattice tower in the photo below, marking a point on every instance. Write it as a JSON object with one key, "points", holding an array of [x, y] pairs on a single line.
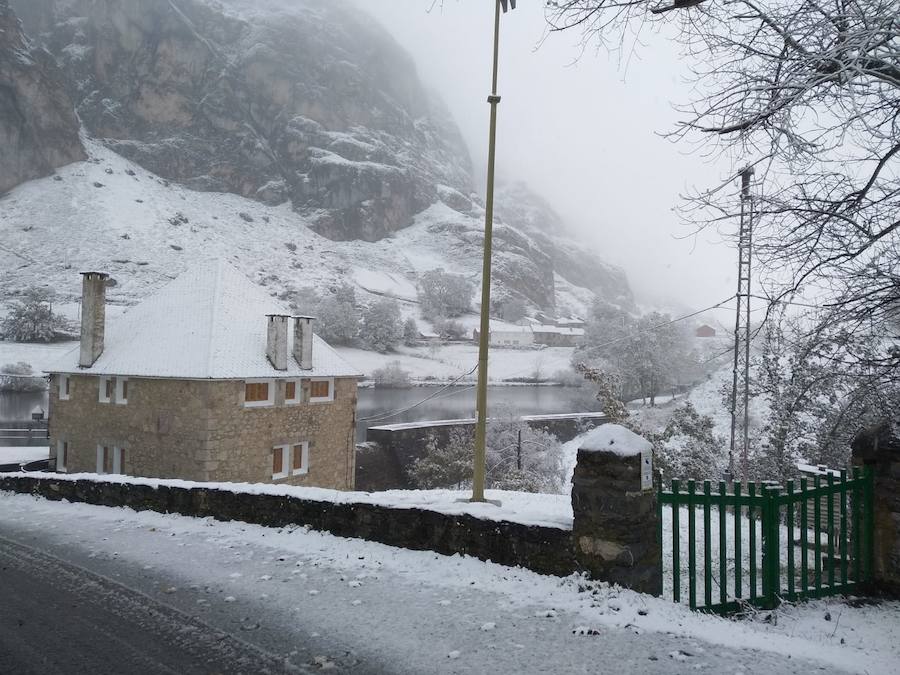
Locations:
{"points": [[740, 389]]}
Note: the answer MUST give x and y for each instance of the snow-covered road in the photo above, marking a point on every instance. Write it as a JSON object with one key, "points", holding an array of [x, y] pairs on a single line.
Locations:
{"points": [[314, 599]]}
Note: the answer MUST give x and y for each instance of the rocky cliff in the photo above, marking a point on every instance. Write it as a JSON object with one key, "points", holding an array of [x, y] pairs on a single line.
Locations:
{"points": [[303, 105], [38, 128], [303, 101]]}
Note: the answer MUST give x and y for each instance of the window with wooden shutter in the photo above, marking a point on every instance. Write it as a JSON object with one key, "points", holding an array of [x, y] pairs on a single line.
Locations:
{"points": [[300, 458], [256, 392], [280, 461], [321, 390], [290, 391], [110, 388]]}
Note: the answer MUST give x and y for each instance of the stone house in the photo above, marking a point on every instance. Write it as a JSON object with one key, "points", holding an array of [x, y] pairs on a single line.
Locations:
{"points": [[210, 379]]}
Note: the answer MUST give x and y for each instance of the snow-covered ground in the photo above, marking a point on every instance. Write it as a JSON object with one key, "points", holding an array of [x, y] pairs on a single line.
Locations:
{"points": [[37, 354], [458, 614]]}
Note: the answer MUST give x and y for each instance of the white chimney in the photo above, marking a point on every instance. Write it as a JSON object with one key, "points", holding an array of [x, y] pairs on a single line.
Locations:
{"points": [[303, 339], [276, 340], [93, 317]]}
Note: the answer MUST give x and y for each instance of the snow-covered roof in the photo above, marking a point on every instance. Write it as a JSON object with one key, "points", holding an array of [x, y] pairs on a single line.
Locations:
{"points": [[209, 323]]}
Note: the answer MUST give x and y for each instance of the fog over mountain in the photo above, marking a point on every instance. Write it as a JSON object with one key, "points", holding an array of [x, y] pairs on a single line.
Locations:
{"points": [[308, 111]]}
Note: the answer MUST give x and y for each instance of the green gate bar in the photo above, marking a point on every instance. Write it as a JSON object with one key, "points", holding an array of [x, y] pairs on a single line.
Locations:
{"points": [[789, 513], [855, 506], [817, 533], [692, 548], [751, 523], [804, 538], [676, 541], [843, 539], [830, 480], [869, 526], [723, 559], [707, 552]]}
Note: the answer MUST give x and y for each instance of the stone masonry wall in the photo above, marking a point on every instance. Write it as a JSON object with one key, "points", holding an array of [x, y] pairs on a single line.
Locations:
{"points": [[546, 550], [879, 448], [200, 430]]}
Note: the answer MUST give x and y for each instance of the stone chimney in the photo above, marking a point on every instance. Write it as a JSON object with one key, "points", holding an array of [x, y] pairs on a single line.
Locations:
{"points": [[93, 317], [277, 340], [303, 339]]}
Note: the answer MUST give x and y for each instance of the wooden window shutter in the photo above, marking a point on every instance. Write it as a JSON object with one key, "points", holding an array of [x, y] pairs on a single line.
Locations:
{"points": [[290, 390], [277, 461]]}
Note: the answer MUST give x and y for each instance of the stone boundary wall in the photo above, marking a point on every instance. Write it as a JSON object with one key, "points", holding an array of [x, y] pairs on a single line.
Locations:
{"points": [[546, 550], [390, 449]]}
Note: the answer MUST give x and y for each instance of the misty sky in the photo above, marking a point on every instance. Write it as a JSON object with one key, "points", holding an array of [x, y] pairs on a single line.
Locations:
{"points": [[584, 135]]}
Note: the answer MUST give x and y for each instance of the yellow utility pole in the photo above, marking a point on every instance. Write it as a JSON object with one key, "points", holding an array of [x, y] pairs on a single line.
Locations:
{"points": [[485, 332]]}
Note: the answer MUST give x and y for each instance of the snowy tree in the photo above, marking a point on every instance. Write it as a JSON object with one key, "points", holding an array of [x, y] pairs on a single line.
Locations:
{"points": [[381, 328], [32, 319], [442, 294], [444, 465], [609, 393], [20, 377], [391, 375], [410, 332], [337, 318], [521, 458], [807, 93], [646, 353], [449, 329], [688, 447]]}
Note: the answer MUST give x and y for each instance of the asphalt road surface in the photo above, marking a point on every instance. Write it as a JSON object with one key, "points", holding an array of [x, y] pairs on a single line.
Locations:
{"points": [[60, 618]]}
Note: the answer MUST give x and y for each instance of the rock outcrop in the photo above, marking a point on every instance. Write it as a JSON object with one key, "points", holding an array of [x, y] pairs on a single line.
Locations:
{"points": [[38, 128], [305, 101]]}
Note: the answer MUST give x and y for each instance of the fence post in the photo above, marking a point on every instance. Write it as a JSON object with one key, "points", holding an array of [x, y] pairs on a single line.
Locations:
{"points": [[877, 450], [614, 504], [771, 548]]}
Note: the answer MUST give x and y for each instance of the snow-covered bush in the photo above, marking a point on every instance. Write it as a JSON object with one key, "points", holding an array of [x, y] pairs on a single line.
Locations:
{"points": [[410, 332], [20, 377], [444, 465], [442, 294], [337, 319], [688, 446], [381, 327], [32, 319], [391, 375], [449, 329]]}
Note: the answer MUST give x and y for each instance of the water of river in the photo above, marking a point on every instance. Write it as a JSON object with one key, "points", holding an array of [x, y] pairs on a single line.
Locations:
{"points": [[380, 406]]}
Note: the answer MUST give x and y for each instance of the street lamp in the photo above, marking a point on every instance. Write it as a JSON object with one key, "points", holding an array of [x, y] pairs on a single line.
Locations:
{"points": [[484, 334]]}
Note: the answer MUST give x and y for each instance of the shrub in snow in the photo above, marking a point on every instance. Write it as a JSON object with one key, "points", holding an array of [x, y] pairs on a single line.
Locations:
{"points": [[410, 332], [687, 447], [391, 375], [381, 327], [337, 319], [444, 464], [18, 377], [442, 294], [449, 329], [32, 319]]}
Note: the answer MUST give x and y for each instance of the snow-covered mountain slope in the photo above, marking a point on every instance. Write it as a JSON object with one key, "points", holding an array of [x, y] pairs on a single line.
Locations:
{"points": [[304, 116], [108, 213]]}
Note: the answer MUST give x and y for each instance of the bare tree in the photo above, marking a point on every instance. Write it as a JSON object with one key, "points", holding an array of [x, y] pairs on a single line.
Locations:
{"points": [[807, 92]]}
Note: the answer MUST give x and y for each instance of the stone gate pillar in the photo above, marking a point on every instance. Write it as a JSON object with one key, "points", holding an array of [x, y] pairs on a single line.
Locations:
{"points": [[614, 507], [879, 447]]}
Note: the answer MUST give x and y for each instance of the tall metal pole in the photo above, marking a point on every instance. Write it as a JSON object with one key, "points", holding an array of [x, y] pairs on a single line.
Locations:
{"points": [[484, 334], [740, 403]]}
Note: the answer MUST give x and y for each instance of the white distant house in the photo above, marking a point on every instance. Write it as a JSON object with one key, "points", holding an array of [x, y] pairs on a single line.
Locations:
{"points": [[528, 331], [508, 335]]}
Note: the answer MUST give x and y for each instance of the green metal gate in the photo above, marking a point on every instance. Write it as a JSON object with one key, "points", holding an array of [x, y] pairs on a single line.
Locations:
{"points": [[760, 543]]}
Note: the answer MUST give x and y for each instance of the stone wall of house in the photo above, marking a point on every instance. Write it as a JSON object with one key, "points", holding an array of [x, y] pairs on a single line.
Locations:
{"points": [[162, 428], [200, 430], [241, 440]]}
